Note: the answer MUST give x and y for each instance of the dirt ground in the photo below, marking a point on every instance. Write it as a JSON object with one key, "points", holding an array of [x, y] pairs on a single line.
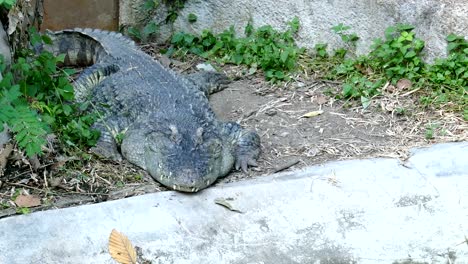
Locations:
{"points": [[342, 130], [334, 130]]}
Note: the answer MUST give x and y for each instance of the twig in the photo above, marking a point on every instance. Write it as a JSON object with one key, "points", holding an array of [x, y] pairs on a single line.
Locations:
{"points": [[286, 166], [328, 81], [24, 186], [410, 92]]}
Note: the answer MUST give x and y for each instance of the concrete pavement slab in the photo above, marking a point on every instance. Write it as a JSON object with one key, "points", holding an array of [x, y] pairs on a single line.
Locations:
{"points": [[360, 211]]}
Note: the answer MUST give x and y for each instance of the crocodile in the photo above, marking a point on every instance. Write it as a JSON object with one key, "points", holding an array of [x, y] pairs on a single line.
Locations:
{"points": [[168, 126]]}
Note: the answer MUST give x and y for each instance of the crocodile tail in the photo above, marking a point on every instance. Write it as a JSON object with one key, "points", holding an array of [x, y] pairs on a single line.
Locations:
{"points": [[84, 47], [78, 48], [111, 41]]}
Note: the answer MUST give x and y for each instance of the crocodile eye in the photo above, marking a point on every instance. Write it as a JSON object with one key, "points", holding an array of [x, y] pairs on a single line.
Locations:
{"points": [[158, 141], [215, 146]]}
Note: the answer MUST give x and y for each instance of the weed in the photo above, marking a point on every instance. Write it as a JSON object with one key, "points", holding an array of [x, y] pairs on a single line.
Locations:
{"points": [[447, 78], [192, 18], [399, 56], [173, 8], [150, 27], [350, 39], [37, 98], [23, 210], [266, 48], [8, 4], [321, 50], [430, 131], [119, 138]]}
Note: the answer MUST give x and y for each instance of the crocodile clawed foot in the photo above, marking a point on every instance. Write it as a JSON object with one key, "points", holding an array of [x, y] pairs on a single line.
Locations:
{"points": [[108, 151], [244, 161]]}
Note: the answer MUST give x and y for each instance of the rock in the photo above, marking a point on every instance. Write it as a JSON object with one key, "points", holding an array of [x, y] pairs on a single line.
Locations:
{"points": [[271, 112], [5, 50], [4, 136]]}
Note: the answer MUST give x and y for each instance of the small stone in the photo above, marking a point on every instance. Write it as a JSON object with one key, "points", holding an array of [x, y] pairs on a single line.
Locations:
{"points": [[205, 67], [271, 112], [300, 84]]}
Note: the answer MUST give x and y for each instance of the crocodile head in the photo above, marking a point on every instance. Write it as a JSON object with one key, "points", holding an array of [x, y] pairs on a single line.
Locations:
{"points": [[187, 161]]}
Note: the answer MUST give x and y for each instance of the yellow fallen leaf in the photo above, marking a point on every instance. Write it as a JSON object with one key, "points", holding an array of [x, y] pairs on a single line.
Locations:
{"points": [[121, 249], [313, 113], [27, 201]]}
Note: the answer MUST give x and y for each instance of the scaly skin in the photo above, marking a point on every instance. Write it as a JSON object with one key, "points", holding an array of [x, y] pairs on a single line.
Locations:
{"points": [[168, 125]]}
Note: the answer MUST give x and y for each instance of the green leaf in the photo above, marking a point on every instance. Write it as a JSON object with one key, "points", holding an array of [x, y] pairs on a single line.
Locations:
{"points": [[451, 37], [452, 46], [134, 32], [192, 18], [284, 55], [348, 90], [410, 54], [149, 29]]}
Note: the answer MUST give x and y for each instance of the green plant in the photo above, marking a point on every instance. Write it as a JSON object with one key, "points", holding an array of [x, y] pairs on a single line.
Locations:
{"points": [[23, 210], [350, 39], [399, 55], [8, 4], [430, 131], [119, 138], [150, 27], [274, 52], [37, 98], [192, 18], [448, 77], [173, 9], [321, 50]]}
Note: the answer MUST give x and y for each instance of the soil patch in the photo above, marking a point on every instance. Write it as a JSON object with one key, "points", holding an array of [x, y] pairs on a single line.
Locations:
{"points": [[342, 131]]}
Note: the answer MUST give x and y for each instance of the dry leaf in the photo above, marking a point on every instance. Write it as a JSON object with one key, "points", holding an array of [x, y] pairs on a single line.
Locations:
{"points": [[404, 84], [313, 113], [35, 163], [390, 88], [121, 249], [15, 16], [55, 181], [225, 203], [27, 201], [321, 99]]}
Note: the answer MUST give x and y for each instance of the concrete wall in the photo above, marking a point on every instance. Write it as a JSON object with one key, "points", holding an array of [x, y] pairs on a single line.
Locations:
{"points": [[434, 19], [60, 14]]}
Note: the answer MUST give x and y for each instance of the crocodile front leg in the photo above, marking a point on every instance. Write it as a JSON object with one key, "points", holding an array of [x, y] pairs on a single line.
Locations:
{"points": [[208, 82], [246, 145], [106, 146]]}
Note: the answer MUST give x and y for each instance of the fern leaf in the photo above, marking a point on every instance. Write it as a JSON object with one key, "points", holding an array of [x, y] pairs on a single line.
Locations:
{"points": [[28, 129]]}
